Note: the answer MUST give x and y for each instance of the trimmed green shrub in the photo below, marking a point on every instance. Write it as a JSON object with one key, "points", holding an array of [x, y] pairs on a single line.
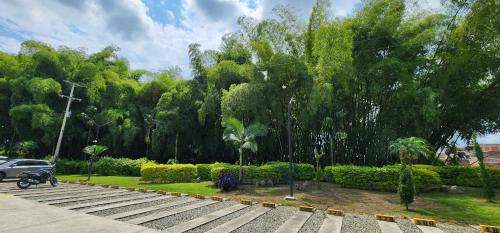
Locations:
{"points": [[168, 173], [217, 170], [71, 166], [203, 171], [462, 175], [301, 171], [375, 178], [266, 173], [109, 166]]}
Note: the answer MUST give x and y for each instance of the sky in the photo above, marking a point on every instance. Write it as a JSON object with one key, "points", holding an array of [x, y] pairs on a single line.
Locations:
{"points": [[152, 34]]}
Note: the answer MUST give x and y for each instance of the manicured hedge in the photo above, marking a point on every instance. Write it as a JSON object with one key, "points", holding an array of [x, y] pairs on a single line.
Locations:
{"points": [[462, 175], [384, 178], [168, 173], [65, 166], [108, 166], [301, 171], [203, 171]]}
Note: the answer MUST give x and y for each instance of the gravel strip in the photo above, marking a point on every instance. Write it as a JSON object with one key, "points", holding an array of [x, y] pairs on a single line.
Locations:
{"points": [[173, 220], [161, 210], [359, 223], [313, 224], [407, 226], [220, 221], [268, 222], [133, 207], [139, 198], [97, 199], [456, 229]]}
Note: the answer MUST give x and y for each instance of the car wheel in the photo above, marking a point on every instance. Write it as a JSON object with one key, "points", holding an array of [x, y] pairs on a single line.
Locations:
{"points": [[2, 176]]}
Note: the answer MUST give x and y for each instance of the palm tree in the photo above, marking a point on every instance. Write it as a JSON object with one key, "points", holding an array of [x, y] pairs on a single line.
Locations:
{"points": [[241, 137], [93, 151], [409, 149]]}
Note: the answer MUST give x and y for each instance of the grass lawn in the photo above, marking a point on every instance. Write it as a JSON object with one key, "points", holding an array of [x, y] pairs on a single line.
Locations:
{"points": [[203, 188], [467, 208]]}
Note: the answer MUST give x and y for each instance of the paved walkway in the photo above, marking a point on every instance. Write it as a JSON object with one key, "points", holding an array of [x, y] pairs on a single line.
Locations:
{"points": [[63, 209], [19, 215]]}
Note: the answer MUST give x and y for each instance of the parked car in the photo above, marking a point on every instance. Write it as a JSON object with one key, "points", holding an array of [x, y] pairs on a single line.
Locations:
{"points": [[13, 168], [3, 159]]}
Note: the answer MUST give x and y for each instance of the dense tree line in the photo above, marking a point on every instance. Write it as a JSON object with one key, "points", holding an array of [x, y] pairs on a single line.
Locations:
{"points": [[388, 71]]}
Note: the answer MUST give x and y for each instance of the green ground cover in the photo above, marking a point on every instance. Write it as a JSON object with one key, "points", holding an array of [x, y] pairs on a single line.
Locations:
{"points": [[469, 207], [203, 188]]}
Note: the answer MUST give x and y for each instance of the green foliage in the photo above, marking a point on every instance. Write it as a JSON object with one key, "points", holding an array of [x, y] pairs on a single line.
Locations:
{"points": [[462, 175], [109, 166], [24, 149], [488, 186], [301, 171], [203, 171], [406, 187], [409, 149], [389, 70], [168, 173], [384, 178], [65, 166]]}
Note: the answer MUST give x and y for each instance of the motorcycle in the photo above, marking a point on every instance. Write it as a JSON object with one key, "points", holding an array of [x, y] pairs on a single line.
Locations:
{"points": [[39, 177]]}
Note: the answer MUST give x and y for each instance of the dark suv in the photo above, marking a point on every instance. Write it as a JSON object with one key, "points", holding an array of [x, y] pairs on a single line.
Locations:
{"points": [[12, 168]]}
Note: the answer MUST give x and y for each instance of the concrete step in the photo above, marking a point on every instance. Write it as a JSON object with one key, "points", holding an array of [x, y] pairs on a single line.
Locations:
{"points": [[293, 224], [185, 226], [240, 221], [389, 227], [59, 192], [112, 201], [32, 190], [427, 229], [149, 209], [51, 191], [331, 224], [159, 215], [73, 195], [118, 205], [82, 198]]}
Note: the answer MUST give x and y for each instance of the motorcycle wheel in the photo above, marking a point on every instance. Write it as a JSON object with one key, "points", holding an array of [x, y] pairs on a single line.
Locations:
{"points": [[54, 182], [23, 184]]}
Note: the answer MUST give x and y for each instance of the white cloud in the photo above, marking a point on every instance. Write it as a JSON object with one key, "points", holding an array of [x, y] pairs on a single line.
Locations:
{"points": [[147, 44], [170, 15]]}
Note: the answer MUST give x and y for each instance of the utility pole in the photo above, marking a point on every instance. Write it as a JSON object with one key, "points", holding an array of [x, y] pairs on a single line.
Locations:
{"points": [[67, 114], [290, 152]]}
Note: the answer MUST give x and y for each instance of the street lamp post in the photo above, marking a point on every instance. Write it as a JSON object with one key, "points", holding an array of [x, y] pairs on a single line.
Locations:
{"points": [[290, 153]]}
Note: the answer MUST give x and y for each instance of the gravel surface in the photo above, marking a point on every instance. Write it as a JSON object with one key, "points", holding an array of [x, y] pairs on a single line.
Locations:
{"points": [[456, 229], [313, 224], [220, 221], [269, 221], [127, 194], [173, 220], [359, 223], [133, 207], [407, 226], [139, 198], [161, 210]]}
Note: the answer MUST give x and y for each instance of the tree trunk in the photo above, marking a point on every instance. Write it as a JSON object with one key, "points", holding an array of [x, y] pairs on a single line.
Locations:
{"points": [[176, 143], [240, 175], [89, 169], [331, 149]]}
